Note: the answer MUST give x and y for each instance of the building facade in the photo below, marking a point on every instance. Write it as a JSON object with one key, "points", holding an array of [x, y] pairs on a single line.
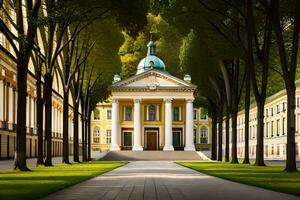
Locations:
{"points": [[8, 102], [151, 110], [274, 128]]}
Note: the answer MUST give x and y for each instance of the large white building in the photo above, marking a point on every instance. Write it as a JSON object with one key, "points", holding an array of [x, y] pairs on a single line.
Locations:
{"points": [[151, 110]]}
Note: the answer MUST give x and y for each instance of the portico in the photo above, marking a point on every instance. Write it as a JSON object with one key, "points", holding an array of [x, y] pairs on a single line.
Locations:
{"points": [[152, 110]]}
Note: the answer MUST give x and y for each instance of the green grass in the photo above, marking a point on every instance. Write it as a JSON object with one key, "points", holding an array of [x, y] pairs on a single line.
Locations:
{"points": [[39, 182], [270, 177]]}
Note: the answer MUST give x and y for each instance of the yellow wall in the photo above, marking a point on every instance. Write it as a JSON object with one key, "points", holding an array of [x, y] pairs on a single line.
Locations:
{"points": [[105, 124]]}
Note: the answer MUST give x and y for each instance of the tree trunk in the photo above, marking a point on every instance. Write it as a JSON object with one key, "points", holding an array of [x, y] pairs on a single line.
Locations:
{"points": [[89, 135], [290, 145], [48, 118], [260, 134], [20, 153], [247, 111], [75, 141], [66, 128], [234, 158], [214, 136], [83, 135], [227, 137], [220, 143], [39, 118]]}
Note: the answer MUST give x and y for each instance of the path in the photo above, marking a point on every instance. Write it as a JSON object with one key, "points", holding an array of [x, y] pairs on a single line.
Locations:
{"points": [[162, 180]]}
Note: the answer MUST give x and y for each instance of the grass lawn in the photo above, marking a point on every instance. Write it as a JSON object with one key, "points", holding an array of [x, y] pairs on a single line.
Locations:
{"points": [[44, 180], [270, 177]]}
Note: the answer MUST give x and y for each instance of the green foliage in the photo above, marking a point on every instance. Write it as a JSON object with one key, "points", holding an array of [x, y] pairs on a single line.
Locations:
{"points": [[270, 177], [168, 41], [42, 181]]}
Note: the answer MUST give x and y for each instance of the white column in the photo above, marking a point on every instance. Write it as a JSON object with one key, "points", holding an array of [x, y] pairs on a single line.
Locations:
{"points": [[52, 125], [189, 143], [27, 111], [55, 120], [115, 126], [168, 126], [32, 105], [2, 100], [16, 105], [137, 126], [10, 106]]}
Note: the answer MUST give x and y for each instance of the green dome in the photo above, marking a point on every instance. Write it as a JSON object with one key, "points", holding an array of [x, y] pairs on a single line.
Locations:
{"points": [[151, 61]]}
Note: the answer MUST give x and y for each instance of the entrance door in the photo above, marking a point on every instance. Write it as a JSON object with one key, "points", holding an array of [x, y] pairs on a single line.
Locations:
{"points": [[151, 140], [127, 139], [176, 138]]}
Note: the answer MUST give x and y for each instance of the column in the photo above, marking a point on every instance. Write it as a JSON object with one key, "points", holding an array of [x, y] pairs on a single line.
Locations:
{"points": [[189, 143], [115, 126], [10, 107], [16, 105], [168, 126], [27, 111], [1, 100], [52, 116], [137, 126], [32, 106]]}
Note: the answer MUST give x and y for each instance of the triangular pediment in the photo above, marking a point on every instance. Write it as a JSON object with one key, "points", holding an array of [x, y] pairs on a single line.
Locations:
{"points": [[153, 79]]}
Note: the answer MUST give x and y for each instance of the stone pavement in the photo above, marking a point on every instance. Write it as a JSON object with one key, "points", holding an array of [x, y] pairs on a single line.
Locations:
{"points": [[162, 180]]}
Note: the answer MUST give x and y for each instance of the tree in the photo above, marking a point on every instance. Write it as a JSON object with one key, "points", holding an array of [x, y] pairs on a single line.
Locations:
{"points": [[22, 45], [288, 63]]}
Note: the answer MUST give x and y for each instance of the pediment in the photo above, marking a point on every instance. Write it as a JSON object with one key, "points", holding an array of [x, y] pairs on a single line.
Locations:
{"points": [[152, 80]]}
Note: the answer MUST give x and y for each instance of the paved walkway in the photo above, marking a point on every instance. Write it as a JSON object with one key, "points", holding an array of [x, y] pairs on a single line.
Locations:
{"points": [[162, 180]]}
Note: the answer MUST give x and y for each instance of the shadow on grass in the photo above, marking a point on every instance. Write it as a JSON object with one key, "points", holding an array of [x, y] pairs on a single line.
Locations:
{"points": [[270, 177], [45, 180]]}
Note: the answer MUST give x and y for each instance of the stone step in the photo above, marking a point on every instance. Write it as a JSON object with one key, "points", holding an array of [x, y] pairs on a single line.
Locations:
{"points": [[151, 156]]}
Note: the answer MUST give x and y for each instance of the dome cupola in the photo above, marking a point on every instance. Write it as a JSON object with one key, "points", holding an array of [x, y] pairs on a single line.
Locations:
{"points": [[151, 61]]}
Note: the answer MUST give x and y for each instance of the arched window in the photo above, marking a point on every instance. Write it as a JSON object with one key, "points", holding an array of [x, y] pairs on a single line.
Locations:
{"points": [[96, 114], [96, 135], [204, 135], [152, 112]]}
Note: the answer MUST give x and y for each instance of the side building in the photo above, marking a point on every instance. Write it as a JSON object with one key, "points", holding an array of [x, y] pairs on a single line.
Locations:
{"points": [[274, 128], [8, 101]]}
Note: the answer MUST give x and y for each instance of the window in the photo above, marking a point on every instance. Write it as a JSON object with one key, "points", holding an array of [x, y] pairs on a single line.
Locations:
{"points": [[284, 106], [108, 114], [203, 114], [96, 135], [277, 124], [277, 109], [272, 111], [204, 135], [96, 114], [195, 115], [151, 112], [176, 113], [283, 126], [128, 113], [267, 129], [108, 136], [298, 102], [267, 113], [194, 136], [272, 128]]}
